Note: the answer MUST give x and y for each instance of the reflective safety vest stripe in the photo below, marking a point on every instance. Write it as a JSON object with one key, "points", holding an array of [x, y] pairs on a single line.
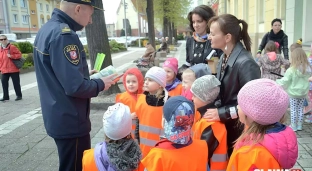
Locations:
{"points": [[150, 118], [192, 157], [128, 100], [88, 161], [251, 158], [176, 91], [219, 159]]}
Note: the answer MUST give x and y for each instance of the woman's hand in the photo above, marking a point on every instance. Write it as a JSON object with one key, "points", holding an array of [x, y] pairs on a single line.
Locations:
{"points": [[212, 115], [258, 55], [134, 116], [9, 55], [310, 79]]}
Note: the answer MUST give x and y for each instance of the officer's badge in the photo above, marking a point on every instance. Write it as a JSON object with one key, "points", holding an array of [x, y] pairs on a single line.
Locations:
{"points": [[72, 54]]}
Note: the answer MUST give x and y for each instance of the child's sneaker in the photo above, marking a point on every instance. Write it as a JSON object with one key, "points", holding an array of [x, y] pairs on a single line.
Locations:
{"points": [[293, 127], [299, 126]]}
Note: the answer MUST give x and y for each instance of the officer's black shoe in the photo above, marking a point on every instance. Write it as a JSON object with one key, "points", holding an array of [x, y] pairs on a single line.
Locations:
{"points": [[18, 98], [4, 99]]}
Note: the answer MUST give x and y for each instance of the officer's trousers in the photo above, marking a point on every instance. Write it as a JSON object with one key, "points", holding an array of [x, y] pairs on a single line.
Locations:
{"points": [[70, 152], [16, 84]]}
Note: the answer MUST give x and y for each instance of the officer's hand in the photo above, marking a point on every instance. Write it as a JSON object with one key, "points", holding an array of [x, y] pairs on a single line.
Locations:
{"points": [[109, 81]]}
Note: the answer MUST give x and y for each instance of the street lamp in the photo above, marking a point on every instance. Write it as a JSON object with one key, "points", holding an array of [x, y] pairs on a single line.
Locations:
{"points": [[125, 23], [29, 25]]}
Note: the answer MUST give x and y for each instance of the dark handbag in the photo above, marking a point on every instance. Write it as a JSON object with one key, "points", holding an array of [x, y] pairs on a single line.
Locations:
{"points": [[18, 62]]}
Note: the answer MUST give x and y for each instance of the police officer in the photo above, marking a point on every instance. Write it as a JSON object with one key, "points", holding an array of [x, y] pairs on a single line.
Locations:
{"points": [[63, 80]]}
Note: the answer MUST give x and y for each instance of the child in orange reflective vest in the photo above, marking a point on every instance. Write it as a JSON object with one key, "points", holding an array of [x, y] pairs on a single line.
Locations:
{"points": [[119, 151], [133, 83], [265, 142], [205, 91], [177, 151], [149, 108], [190, 75], [173, 85]]}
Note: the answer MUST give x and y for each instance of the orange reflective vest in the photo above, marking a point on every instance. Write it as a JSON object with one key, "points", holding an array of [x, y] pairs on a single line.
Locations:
{"points": [[251, 158], [176, 91], [192, 157], [219, 159], [88, 161], [128, 100], [150, 118]]}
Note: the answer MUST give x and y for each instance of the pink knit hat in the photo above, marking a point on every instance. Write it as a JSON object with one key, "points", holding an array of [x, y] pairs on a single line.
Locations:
{"points": [[157, 74], [172, 63], [263, 101]]}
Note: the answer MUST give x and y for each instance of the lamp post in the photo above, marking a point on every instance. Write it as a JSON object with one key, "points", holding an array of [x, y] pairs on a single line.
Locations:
{"points": [[28, 15], [125, 23]]}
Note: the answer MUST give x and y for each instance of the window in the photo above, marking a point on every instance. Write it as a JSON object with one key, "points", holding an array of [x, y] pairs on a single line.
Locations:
{"points": [[13, 2], [25, 19], [40, 6], [261, 11], [15, 18], [23, 3], [33, 12], [42, 21], [47, 6]]}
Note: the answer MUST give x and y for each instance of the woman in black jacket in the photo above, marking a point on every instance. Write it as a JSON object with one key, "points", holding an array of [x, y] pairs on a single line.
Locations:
{"points": [[235, 69], [277, 35], [198, 46]]}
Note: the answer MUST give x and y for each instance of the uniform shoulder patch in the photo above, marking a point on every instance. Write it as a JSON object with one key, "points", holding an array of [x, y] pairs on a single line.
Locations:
{"points": [[72, 54], [65, 28]]}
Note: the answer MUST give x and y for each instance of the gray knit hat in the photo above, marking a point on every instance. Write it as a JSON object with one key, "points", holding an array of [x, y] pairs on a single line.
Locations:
{"points": [[206, 88]]}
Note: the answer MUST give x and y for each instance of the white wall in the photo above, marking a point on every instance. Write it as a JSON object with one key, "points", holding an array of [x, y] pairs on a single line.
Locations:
{"points": [[306, 23]]}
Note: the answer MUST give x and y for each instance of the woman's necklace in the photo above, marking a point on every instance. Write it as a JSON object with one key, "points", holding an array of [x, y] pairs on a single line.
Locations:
{"points": [[224, 62]]}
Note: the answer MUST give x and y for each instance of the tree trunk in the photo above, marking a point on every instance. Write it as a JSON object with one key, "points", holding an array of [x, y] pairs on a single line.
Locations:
{"points": [[98, 42], [150, 20], [165, 27], [174, 34], [170, 33]]}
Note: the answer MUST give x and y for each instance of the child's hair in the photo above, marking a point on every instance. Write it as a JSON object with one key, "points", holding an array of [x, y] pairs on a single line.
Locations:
{"points": [[159, 93], [188, 71], [299, 60], [298, 44], [271, 47]]}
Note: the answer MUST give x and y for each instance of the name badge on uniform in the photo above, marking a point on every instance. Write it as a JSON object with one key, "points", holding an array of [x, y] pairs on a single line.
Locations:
{"points": [[72, 54]]}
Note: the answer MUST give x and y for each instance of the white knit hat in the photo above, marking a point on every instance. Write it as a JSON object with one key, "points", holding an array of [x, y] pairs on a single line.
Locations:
{"points": [[157, 74], [206, 88], [117, 121]]}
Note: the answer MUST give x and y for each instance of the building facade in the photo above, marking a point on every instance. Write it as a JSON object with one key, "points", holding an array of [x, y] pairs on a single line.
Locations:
{"points": [[136, 20], [111, 30], [26, 17], [259, 14]]}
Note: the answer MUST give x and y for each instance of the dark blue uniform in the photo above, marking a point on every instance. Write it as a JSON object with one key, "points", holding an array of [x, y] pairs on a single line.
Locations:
{"points": [[64, 86]]}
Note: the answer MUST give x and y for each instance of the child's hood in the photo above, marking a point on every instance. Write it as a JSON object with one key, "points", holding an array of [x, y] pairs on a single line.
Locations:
{"points": [[281, 142], [139, 76], [200, 70]]}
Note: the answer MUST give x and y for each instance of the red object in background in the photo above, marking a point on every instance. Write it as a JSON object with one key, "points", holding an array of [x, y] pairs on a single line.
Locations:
{"points": [[295, 169]]}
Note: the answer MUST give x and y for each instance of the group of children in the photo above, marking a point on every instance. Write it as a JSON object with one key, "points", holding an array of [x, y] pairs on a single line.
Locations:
{"points": [[296, 80], [157, 125]]}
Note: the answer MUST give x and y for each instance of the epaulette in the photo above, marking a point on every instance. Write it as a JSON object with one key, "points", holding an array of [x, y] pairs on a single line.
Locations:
{"points": [[65, 28]]}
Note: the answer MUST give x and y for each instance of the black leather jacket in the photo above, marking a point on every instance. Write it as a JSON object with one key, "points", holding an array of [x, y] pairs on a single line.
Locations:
{"points": [[240, 69]]}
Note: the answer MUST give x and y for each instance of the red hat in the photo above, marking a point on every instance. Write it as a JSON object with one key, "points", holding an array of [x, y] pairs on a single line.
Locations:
{"points": [[138, 74]]}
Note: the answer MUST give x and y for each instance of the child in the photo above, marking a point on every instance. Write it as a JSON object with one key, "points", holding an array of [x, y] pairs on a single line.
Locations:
{"points": [[118, 142], [205, 91], [173, 85], [271, 61], [298, 44], [133, 83], [149, 108], [177, 151], [296, 83], [190, 75], [265, 144]]}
